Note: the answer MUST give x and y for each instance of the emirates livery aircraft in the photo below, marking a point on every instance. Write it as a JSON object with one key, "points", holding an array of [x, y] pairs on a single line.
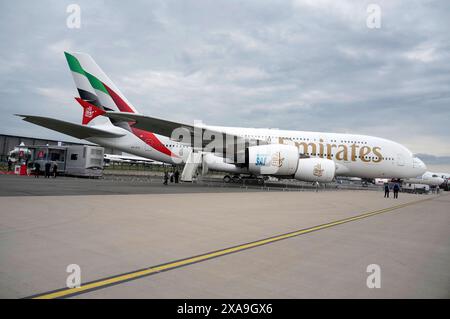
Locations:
{"points": [[110, 120]]}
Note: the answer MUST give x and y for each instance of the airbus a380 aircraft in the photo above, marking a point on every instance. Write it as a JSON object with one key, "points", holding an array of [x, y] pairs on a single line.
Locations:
{"points": [[110, 120]]}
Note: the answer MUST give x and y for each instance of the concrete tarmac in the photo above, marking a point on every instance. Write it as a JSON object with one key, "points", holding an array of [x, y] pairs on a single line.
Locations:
{"points": [[13, 185], [115, 234]]}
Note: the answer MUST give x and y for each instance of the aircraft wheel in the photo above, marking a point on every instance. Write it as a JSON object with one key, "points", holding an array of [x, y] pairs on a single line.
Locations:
{"points": [[226, 178], [236, 179]]}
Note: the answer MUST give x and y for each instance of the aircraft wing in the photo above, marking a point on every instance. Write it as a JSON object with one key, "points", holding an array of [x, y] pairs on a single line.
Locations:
{"points": [[75, 130], [164, 127]]}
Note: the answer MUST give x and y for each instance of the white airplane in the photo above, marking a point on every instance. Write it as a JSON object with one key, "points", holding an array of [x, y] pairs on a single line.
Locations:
{"points": [[110, 120], [428, 178], [445, 176]]}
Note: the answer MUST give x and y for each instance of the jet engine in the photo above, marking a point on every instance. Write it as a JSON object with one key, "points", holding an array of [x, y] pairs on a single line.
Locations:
{"points": [[273, 159], [315, 170], [277, 160], [284, 160], [217, 163]]}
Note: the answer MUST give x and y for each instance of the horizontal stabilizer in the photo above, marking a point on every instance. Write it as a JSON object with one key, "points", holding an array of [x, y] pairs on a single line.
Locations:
{"points": [[75, 130]]}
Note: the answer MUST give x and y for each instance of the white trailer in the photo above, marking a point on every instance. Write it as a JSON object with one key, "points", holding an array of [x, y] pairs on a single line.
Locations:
{"points": [[75, 160], [84, 160]]}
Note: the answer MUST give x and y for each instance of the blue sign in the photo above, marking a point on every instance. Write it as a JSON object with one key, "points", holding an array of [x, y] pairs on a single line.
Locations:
{"points": [[261, 160]]}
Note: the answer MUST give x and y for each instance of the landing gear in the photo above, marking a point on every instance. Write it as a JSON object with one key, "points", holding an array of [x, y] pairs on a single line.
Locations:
{"points": [[316, 184], [234, 179], [252, 179]]}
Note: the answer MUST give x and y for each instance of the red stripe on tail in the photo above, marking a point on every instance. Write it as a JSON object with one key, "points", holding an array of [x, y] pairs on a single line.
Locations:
{"points": [[121, 104], [90, 111]]}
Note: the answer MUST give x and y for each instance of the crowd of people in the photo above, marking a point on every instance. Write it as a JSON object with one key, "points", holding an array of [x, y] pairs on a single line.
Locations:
{"points": [[50, 169], [174, 177]]}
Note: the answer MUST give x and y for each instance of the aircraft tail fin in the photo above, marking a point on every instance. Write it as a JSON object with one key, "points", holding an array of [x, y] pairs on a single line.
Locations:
{"points": [[94, 86]]}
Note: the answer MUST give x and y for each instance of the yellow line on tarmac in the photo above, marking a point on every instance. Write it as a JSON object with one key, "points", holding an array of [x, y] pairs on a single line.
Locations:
{"points": [[65, 292]]}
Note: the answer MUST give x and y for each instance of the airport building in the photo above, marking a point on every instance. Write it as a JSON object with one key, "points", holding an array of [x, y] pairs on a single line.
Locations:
{"points": [[9, 142]]}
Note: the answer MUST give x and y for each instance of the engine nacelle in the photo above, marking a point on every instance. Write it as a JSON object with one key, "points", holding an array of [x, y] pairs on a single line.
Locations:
{"points": [[273, 159], [315, 170], [216, 163]]}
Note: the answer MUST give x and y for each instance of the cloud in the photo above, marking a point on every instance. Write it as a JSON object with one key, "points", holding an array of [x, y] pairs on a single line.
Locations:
{"points": [[302, 65], [61, 46], [434, 160], [8, 66], [439, 164], [54, 94], [422, 54]]}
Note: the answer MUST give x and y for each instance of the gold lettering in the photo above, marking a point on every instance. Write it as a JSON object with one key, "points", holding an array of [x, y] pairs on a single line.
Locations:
{"points": [[342, 154], [321, 151], [363, 152], [354, 147], [305, 147], [342, 151], [329, 152], [377, 152]]}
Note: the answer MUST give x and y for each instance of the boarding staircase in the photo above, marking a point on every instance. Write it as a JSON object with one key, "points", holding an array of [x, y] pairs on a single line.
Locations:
{"points": [[193, 161]]}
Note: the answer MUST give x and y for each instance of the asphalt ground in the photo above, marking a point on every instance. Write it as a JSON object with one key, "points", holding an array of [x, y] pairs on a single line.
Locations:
{"points": [[219, 242]]}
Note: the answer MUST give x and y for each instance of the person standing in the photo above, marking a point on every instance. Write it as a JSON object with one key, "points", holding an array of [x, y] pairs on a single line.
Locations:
{"points": [[9, 165], [166, 177], [55, 169], [396, 189], [177, 176], [37, 170], [386, 190], [47, 167]]}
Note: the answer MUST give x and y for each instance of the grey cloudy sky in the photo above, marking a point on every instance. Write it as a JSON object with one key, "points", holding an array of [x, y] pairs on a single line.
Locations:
{"points": [[302, 64]]}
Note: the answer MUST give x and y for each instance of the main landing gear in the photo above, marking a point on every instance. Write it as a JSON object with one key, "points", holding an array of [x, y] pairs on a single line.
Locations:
{"points": [[243, 178]]}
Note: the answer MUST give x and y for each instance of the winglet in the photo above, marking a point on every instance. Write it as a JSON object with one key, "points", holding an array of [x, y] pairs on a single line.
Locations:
{"points": [[90, 111]]}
